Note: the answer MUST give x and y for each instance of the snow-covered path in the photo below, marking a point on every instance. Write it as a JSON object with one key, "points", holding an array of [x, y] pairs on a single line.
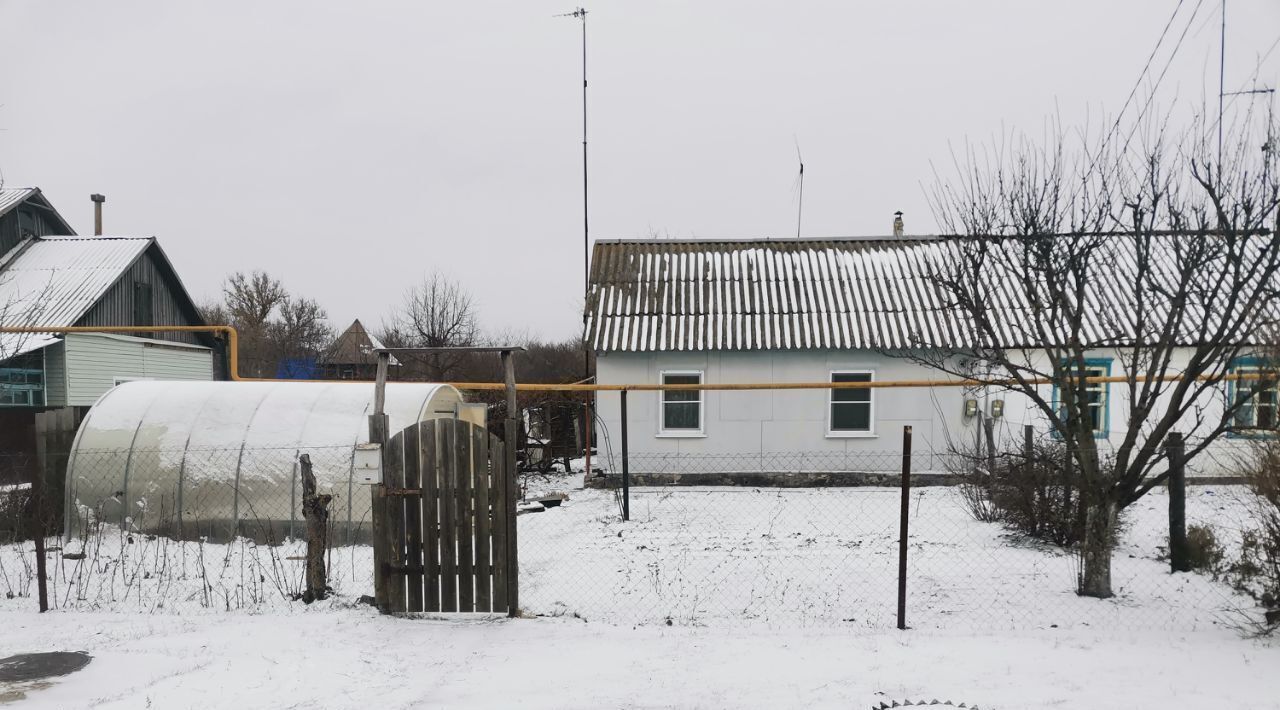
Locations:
{"points": [[351, 658]]}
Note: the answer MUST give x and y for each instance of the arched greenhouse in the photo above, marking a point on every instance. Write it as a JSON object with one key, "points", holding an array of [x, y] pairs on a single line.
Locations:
{"points": [[220, 459]]}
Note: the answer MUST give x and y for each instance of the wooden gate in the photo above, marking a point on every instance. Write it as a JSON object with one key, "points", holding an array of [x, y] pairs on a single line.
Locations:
{"points": [[444, 535]]}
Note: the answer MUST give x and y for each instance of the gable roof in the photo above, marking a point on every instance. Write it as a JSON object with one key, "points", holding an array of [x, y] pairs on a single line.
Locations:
{"points": [[354, 347], [808, 294], [11, 197], [54, 281]]}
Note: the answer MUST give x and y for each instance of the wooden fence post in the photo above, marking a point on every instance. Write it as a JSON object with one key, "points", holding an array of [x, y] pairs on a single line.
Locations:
{"points": [[381, 551], [511, 486]]}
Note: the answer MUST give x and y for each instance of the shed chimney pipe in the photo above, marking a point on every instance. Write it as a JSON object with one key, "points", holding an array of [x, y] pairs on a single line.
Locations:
{"points": [[97, 213], [897, 224]]}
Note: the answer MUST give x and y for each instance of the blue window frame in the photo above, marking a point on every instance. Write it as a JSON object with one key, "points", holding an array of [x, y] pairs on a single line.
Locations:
{"points": [[1257, 412], [22, 381], [1099, 395]]}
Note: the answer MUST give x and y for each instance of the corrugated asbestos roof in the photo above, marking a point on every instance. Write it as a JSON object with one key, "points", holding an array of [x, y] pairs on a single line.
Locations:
{"points": [[11, 197], [657, 295], [54, 281]]}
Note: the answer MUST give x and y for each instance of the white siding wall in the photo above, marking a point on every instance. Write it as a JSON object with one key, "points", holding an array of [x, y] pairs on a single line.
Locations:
{"points": [[773, 422], [55, 375], [795, 421], [94, 362]]}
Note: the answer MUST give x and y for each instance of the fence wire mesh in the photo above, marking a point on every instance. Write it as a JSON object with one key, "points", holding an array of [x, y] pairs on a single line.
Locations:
{"points": [[755, 553], [186, 530], [216, 530]]}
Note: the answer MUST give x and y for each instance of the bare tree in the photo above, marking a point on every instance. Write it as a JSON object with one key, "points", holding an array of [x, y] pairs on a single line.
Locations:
{"points": [[274, 325], [436, 313], [302, 330], [1160, 256]]}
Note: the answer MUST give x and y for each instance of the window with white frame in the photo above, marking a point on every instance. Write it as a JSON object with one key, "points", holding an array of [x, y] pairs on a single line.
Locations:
{"points": [[1096, 397], [681, 409], [1095, 394], [1256, 397], [850, 408]]}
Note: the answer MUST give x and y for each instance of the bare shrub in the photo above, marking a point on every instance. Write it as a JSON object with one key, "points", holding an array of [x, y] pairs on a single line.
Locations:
{"points": [[1204, 552], [1035, 495], [1256, 571]]}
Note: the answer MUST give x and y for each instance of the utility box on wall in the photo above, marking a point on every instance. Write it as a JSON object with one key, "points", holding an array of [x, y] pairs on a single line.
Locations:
{"points": [[368, 464]]}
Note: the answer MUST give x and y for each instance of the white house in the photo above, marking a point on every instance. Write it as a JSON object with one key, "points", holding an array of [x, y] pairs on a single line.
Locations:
{"points": [[802, 311]]}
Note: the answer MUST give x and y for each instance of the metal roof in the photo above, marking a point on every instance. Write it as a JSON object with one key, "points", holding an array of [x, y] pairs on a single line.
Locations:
{"points": [[11, 197], [655, 295], [54, 281]]}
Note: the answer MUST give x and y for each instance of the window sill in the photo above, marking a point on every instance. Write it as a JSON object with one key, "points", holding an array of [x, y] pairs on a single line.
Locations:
{"points": [[1250, 434], [680, 435], [852, 435]]}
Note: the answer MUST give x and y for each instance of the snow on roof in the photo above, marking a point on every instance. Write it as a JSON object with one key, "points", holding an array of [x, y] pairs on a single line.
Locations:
{"points": [[11, 197], [660, 295], [54, 281]]}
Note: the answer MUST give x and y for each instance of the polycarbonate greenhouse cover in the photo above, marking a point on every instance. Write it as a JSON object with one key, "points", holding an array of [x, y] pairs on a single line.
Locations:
{"points": [[155, 455]]}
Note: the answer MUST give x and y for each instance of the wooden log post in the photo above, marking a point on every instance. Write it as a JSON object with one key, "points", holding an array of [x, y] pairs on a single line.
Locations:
{"points": [[315, 511], [379, 434]]}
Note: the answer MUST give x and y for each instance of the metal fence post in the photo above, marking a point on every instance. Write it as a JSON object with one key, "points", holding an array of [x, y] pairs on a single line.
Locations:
{"points": [[626, 470], [903, 527], [1179, 554]]}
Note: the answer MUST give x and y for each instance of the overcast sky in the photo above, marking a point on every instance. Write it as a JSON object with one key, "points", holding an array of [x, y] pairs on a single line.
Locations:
{"points": [[349, 148]]}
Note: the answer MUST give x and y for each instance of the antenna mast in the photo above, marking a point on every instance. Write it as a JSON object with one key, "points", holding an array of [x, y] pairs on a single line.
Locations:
{"points": [[800, 203], [581, 14], [1222, 75]]}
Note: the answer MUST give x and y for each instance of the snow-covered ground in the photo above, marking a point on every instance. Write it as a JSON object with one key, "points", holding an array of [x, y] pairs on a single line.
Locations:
{"points": [[778, 558], [338, 659], [828, 557], [775, 598]]}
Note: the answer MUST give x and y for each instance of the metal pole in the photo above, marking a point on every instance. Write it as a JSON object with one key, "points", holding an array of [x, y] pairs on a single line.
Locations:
{"points": [[626, 471], [586, 438], [903, 527], [1178, 553], [586, 241], [1222, 75]]}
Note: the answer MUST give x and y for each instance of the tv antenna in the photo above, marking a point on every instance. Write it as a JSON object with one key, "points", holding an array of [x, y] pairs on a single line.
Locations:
{"points": [[581, 14], [800, 180]]}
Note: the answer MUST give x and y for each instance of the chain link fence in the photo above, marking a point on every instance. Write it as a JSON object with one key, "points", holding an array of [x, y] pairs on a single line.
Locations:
{"points": [[184, 530], [217, 530], [730, 539]]}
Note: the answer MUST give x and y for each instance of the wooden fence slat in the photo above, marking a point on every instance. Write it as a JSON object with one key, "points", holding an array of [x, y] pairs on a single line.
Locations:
{"points": [[413, 518], [393, 477], [466, 520], [448, 516], [497, 498], [480, 454], [431, 464]]}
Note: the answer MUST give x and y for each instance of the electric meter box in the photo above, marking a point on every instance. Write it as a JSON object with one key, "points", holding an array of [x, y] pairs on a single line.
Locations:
{"points": [[368, 464]]}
